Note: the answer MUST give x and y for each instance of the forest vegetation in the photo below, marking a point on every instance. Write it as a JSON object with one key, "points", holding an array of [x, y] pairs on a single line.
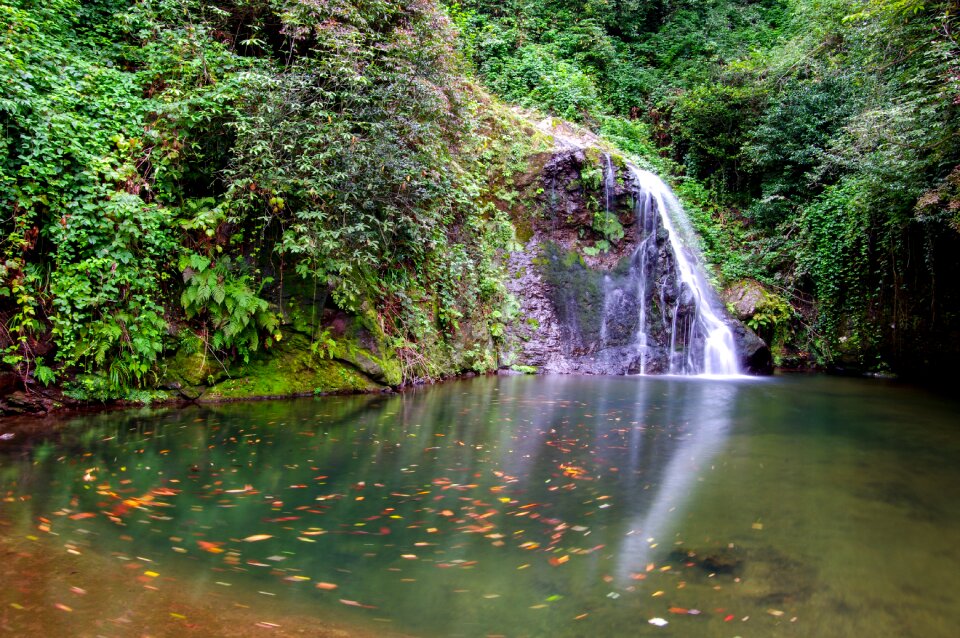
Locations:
{"points": [[816, 143], [177, 177]]}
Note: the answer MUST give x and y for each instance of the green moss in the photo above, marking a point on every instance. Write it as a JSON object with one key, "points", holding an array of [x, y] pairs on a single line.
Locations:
{"points": [[382, 368], [576, 290], [523, 229], [192, 366], [593, 154], [289, 369]]}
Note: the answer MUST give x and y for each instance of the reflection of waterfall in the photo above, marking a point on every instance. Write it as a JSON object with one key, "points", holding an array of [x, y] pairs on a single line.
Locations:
{"points": [[707, 408]]}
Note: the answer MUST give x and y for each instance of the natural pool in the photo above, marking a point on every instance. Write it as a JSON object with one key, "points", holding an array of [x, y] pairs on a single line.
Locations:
{"points": [[516, 506]]}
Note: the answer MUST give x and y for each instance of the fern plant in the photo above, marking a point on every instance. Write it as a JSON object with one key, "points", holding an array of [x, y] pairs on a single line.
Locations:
{"points": [[222, 295]]}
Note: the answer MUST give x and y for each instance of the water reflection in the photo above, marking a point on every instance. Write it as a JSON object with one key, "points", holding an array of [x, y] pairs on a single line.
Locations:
{"points": [[700, 422], [517, 506]]}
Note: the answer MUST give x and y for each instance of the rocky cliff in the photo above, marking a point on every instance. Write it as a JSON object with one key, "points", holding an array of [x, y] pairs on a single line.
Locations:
{"points": [[597, 281]]}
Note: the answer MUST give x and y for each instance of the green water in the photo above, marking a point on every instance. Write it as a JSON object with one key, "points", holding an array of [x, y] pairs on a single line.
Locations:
{"points": [[518, 506]]}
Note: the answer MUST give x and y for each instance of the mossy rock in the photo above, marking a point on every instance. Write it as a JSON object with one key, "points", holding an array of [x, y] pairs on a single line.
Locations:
{"points": [[384, 370], [523, 230], [291, 369], [192, 367]]}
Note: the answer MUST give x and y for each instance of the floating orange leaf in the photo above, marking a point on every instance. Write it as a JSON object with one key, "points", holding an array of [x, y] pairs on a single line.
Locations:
{"points": [[81, 516], [213, 548]]}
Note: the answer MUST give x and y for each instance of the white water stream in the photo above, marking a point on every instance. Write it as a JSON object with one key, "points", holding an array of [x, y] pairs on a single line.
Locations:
{"points": [[719, 355]]}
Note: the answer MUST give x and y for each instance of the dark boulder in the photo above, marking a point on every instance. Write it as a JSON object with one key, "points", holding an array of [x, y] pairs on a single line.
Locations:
{"points": [[753, 354]]}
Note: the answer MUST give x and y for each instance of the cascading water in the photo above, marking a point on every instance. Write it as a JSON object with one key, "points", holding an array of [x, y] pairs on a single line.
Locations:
{"points": [[687, 335], [647, 310], [639, 263], [609, 184], [718, 353]]}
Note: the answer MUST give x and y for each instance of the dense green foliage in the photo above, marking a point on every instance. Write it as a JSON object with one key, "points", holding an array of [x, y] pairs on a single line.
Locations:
{"points": [[816, 142], [170, 170], [165, 164]]}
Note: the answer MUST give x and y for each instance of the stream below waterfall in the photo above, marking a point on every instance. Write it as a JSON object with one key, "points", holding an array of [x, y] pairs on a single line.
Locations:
{"points": [[511, 506]]}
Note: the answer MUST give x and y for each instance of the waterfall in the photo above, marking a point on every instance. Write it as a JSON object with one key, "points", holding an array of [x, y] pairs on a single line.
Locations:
{"points": [[609, 184], [718, 353], [640, 264], [607, 309]]}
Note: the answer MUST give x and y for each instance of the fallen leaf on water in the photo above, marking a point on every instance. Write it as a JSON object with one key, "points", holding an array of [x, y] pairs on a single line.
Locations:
{"points": [[757, 526], [257, 537]]}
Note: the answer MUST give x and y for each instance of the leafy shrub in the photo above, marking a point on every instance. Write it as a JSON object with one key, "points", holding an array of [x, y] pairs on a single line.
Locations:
{"points": [[222, 296]]}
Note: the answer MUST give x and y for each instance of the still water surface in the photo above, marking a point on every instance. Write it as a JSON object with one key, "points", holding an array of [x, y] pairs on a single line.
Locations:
{"points": [[518, 506]]}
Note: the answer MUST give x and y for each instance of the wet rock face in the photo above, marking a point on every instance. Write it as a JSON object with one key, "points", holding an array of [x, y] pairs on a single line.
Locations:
{"points": [[581, 313], [537, 337], [752, 351], [599, 311]]}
